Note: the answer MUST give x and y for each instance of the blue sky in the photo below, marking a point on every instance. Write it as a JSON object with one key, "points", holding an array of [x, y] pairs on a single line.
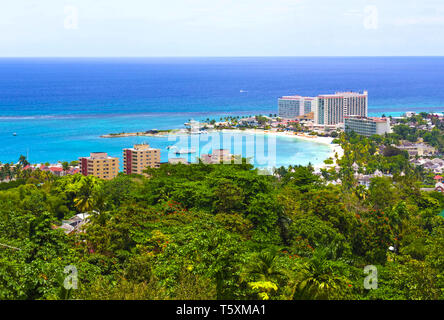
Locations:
{"points": [[221, 27]]}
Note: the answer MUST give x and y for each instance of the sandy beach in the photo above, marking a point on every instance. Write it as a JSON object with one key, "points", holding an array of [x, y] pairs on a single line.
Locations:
{"points": [[334, 148]]}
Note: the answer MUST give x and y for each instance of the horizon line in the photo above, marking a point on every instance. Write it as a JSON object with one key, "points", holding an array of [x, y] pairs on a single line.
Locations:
{"points": [[241, 56]]}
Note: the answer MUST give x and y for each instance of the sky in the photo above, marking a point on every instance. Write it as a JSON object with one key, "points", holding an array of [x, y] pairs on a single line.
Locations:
{"points": [[164, 28]]}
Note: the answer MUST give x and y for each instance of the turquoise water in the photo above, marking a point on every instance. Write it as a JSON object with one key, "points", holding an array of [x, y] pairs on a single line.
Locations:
{"points": [[59, 140], [264, 151], [60, 107], [71, 137]]}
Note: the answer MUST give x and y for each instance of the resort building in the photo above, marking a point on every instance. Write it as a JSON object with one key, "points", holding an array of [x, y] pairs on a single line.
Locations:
{"points": [[366, 126], [330, 109], [417, 149], [75, 224], [309, 105], [290, 107], [100, 165], [435, 165], [217, 156], [248, 121], [365, 179], [138, 158]]}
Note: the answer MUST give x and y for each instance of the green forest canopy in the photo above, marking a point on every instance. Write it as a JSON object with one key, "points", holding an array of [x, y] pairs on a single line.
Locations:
{"points": [[225, 232]]}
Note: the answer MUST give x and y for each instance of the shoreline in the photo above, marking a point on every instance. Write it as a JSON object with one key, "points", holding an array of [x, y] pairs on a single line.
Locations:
{"points": [[334, 148]]}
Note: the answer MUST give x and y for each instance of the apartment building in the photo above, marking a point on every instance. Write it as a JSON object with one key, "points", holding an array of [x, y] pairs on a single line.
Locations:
{"points": [[100, 165], [366, 126], [140, 157]]}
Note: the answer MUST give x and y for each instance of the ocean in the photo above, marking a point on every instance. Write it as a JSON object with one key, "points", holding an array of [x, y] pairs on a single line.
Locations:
{"points": [[58, 107]]}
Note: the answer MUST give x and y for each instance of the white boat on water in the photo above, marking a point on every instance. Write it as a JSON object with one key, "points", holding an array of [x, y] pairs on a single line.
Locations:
{"points": [[185, 151]]}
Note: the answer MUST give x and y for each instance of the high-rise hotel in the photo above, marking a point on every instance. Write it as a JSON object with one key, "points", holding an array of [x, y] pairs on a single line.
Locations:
{"points": [[100, 165], [332, 108], [290, 107], [138, 158]]}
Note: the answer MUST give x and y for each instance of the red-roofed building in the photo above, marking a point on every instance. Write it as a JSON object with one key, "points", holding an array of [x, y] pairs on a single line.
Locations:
{"points": [[58, 171], [438, 178]]}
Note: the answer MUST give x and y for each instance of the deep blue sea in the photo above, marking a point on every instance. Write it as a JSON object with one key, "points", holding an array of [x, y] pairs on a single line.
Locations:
{"points": [[60, 107]]}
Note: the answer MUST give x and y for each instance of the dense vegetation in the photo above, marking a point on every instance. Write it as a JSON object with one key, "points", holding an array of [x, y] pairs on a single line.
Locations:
{"points": [[226, 232]]}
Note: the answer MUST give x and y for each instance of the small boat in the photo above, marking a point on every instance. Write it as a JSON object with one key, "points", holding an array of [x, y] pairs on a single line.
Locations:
{"points": [[171, 147], [242, 91], [184, 151], [14, 134]]}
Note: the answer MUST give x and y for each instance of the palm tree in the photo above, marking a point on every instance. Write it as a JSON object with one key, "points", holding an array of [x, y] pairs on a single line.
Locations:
{"points": [[23, 161], [86, 198], [39, 175], [317, 278], [264, 268], [65, 166], [4, 172], [264, 272], [26, 173], [43, 176], [6, 169], [16, 171]]}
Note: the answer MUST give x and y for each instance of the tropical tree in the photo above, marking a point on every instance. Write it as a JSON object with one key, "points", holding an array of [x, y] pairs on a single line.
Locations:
{"points": [[361, 192], [23, 161], [65, 166], [86, 198], [263, 267], [320, 277]]}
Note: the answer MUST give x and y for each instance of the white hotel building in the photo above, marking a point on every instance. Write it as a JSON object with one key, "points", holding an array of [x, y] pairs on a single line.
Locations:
{"points": [[330, 109], [290, 107], [367, 126]]}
